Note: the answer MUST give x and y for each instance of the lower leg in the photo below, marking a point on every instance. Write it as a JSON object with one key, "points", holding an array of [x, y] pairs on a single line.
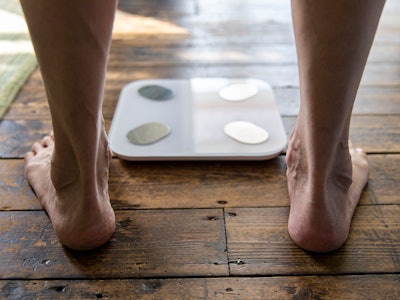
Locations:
{"points": [[69, 174], [325, 179]]}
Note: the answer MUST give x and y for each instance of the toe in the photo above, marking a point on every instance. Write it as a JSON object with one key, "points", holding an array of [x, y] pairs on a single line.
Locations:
{"points": [[36, 147], [358, 152], [28, 156], [46, 141]]}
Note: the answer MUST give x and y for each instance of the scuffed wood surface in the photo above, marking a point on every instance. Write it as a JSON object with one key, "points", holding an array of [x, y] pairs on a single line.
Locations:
{"points": [[202, 230]]}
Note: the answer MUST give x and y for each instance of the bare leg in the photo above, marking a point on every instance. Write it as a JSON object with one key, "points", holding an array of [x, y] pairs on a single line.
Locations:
{"points": [[325, 179], [69, 174]]}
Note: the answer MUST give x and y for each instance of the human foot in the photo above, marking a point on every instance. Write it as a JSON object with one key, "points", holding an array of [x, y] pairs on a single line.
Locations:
{"points": [[82, 221], [321, 209]]}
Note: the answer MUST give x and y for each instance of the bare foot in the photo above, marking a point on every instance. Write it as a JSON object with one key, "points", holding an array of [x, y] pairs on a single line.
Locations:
{"points": [[82, 221], [321, 209]]}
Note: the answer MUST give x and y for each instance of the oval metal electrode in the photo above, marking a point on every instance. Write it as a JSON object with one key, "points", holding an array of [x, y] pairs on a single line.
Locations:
{"points": [[246, 132], [156, 92], [148, 133], [238, 92]]}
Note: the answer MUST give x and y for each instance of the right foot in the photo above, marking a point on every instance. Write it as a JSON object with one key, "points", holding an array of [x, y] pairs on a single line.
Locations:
{"points": [[321, 209], [81, 221]]}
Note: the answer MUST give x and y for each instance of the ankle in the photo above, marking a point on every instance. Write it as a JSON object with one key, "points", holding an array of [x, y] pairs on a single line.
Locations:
{"points": [[318, 153], [62, 177]]}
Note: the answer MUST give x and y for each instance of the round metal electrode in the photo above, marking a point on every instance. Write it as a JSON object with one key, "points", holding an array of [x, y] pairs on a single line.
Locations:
{"points": [[238, 92], [148, 133], [246, 132], [156, 92]]}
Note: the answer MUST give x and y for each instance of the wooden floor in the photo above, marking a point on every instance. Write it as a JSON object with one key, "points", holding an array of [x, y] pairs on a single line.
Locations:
{"points": [[208, 230]]}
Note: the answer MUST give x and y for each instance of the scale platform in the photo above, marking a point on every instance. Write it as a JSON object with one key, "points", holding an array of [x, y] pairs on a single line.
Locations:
{"points": [[197, 119]]}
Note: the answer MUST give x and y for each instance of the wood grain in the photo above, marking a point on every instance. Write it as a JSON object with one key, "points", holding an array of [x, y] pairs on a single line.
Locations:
{"points": [[373, 287], [30, 104], [149, 185], [258, 244], [146, 244], [375, 134], [384, 181], [208, 230]]}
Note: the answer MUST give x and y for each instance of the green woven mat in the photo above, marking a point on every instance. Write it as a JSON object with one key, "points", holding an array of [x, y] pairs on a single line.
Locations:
{"points": [[17, 59]]}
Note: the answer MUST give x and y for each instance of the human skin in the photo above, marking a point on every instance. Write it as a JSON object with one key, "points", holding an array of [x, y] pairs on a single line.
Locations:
{"points": [[69, 172], [69, 175], [325, 176]]}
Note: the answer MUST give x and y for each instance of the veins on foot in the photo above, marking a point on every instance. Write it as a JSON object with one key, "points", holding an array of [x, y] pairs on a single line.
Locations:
{"points": [[81, 223], [322, 205]]}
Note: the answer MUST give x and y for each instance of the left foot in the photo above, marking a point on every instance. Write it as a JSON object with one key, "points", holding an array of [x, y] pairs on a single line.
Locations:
{"points": [[81, 222]]}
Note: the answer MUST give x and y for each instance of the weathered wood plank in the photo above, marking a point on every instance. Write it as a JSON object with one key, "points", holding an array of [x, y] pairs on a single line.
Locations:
{"points": [[238, 31], [375, 134], [385, 75], [384, 181], [17, 137], [30, 104], [146, 243], [259, 10], [155, 185], [233, 14], [369, 101], [198, 184], [159, 8], [186, 39], [214, 32], [258, 244], [224, 54], [228, 55], [140, 29], [373, 287], [144, 185], [378, 101], [15, 193], [264, 26]]}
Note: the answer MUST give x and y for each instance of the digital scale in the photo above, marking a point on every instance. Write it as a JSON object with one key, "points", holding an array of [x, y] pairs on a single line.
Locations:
{"points": [[197, 119]]}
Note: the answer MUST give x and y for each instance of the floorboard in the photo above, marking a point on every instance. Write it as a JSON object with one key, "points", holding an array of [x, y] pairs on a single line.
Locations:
{"points": [[208, 230], [258, 244], [277, 288], [149, 243]]}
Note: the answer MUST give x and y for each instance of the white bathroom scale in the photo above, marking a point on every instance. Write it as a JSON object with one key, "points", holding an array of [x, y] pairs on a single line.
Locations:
{"points": [[197, 119]]}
